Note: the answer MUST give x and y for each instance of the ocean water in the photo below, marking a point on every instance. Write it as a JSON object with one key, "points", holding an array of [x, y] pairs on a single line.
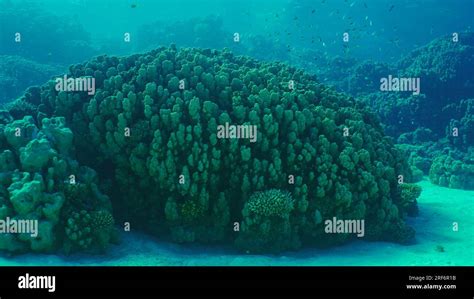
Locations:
{"points": [[237, 133]]}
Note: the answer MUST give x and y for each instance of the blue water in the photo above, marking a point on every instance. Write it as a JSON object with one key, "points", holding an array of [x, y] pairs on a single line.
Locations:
{"points": [[305, 33]]}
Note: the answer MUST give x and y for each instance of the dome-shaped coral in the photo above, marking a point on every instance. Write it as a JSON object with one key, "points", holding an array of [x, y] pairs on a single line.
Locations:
{"points": [[152, 129]]}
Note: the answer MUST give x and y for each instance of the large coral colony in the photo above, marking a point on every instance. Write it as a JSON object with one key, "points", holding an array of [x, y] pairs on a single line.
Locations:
{"points": [[144, 151]]}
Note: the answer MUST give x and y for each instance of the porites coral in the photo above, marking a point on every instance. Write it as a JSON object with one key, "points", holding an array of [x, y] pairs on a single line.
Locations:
{"points": [[160, 146]]}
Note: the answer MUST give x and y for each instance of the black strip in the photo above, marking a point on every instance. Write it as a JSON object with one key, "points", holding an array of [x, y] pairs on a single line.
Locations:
{"points": [[191, 282]]}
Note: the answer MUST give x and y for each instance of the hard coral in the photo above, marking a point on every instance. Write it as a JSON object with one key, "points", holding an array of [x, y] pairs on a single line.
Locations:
{"points": [[158, 144]]}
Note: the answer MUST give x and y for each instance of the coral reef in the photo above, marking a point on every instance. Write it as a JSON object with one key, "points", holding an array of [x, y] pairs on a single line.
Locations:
{"points": [[79, 230], [150, 130], [266, 225], [365, 77], [84, 230], [35, 170], [447, 88], [453, 171], [409, 194], [460, 128], [444, 68], [18, 73], [437, 122]]}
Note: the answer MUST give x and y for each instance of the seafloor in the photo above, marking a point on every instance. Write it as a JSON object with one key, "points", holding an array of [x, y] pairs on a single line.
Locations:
{"points": [[436, 244]]}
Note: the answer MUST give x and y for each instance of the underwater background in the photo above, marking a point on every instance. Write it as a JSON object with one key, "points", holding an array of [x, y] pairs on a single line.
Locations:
{"points": [[136, 173]]}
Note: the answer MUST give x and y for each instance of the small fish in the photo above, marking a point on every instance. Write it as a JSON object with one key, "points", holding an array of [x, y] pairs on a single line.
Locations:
{"points": [[370, 23], [366, 18], [133, 5], [352, 4], [392, 7], [313, 11], [365, 5]]}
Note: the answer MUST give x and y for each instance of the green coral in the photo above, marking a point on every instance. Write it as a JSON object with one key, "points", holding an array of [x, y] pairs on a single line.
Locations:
{"points": [[26, 195], [266, 225], [36, 163], [36, 154], [453, 171], [57, 133], [409, 194], [102, 223], [89, 230], [191, 211], [271, 203], [19, 132], [79, 229], [172, 175]]}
